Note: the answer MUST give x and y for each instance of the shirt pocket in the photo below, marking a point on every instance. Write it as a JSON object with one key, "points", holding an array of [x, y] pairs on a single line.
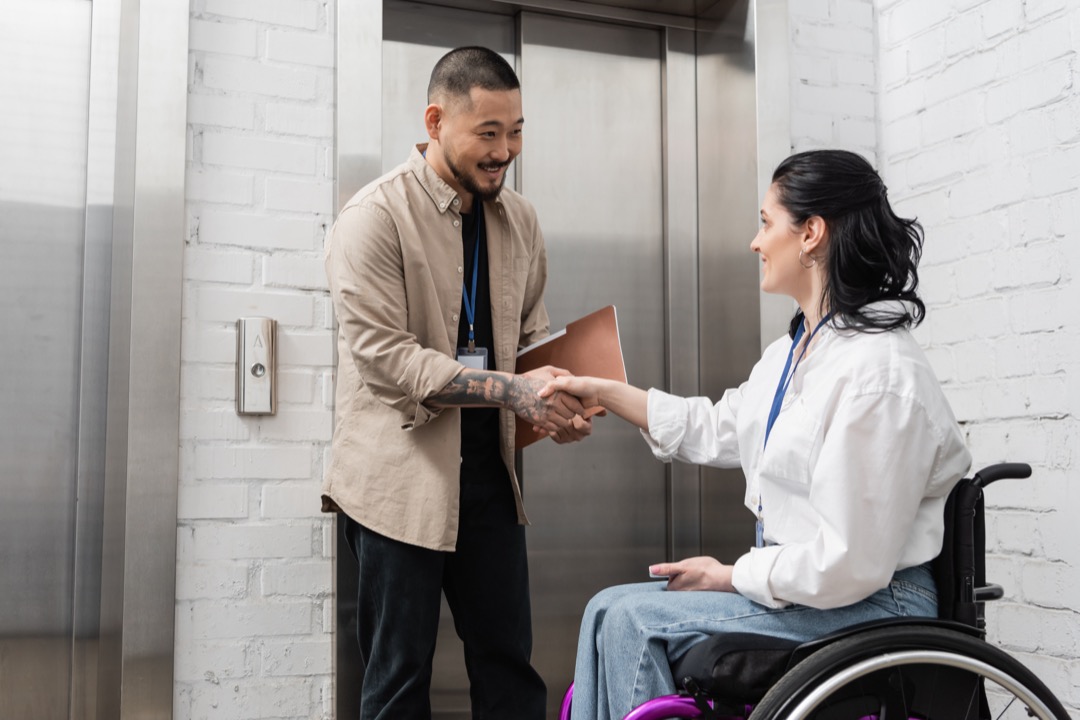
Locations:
{"points": [[787, 457]]}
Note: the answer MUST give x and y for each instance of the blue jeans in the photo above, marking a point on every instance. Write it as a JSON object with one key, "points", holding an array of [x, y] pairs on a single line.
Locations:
{"points": [[631, 634]]}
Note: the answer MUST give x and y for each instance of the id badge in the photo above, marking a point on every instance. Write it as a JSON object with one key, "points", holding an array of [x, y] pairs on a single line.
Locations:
{"points": [[477, 359]]}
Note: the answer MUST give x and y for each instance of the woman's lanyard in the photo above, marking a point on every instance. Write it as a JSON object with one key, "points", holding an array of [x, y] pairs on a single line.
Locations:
{"points": [[778, 401], [466, 299]]}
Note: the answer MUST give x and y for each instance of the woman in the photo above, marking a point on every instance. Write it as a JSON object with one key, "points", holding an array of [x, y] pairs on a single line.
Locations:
{"points": [[847, 443]]}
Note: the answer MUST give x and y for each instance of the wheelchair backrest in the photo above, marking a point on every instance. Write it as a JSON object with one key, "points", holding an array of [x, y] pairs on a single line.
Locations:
{"points": [[961, 566]]}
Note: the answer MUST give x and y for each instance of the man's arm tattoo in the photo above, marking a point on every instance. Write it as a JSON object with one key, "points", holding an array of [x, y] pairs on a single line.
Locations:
{"points": [[474, 388], [483, 388]]}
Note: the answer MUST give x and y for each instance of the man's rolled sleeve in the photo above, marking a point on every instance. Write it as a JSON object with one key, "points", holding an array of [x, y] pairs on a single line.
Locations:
{"points": [[426, 374]]}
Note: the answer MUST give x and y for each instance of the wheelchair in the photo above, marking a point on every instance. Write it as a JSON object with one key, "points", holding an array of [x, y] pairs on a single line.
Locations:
{"points": [[926, 668]]}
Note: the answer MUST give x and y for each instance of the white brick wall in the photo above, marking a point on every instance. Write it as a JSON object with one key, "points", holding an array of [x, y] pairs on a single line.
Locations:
{"points": [[833, 77], [977, 128], [254, 574]]}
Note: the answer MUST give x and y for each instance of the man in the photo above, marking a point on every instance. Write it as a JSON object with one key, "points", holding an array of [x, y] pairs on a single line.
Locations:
{"points": [[437, 276]]}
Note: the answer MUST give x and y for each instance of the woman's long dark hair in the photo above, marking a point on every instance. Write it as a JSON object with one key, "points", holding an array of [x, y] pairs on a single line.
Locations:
{"points": [[872, 253]]}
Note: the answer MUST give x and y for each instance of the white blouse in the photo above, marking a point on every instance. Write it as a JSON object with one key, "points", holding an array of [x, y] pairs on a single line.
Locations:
{"points": [[858, 466]]}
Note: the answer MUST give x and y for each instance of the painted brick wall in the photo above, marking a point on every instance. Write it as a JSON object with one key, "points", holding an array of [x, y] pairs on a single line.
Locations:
{"points": [[979, 129], [254, 569], [976, 115], [833, 75]]}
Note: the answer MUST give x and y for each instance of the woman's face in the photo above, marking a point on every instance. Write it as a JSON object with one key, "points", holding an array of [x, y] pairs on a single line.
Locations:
{"points": [[778, 243]]}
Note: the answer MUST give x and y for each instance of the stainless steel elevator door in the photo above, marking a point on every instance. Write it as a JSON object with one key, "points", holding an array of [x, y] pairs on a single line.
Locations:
{"points": [[44, 91], [592, 166]]}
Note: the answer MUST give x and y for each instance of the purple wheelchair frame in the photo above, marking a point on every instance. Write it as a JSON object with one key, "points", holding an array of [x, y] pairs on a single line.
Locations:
{"points": [[661, 708], [664, 708]]}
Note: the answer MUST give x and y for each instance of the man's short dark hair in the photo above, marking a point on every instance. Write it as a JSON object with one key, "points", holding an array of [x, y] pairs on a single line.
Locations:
{"points": [[464, 68]]}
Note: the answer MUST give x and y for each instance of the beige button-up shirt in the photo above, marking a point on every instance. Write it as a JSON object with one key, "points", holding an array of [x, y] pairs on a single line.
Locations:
{"points": [[395, 266]]}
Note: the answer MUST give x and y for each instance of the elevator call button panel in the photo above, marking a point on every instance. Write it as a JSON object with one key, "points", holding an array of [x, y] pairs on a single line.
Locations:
{"points": [[255, 366]]}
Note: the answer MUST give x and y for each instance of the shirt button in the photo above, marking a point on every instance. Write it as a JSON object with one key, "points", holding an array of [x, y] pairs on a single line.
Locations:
{"points": [[460, 269], [454, 316], [456, 223], [456, 201]]}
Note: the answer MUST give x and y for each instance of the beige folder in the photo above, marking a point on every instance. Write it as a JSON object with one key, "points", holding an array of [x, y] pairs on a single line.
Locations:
{"points": [[589, 346]]}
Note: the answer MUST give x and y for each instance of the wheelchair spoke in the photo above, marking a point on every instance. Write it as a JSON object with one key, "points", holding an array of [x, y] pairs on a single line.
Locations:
{"points": [[1003, 711]]}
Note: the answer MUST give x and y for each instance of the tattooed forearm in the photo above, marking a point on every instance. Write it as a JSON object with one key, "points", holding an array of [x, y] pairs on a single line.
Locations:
{"points": [[520, 393], [475, 388]]}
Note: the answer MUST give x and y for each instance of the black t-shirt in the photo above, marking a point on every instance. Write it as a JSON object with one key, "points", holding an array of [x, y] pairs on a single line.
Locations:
{"points": [[480, 458]]}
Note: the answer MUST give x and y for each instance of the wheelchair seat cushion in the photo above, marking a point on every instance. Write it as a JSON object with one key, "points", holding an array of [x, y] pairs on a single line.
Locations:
{"points": [[738, 667]]}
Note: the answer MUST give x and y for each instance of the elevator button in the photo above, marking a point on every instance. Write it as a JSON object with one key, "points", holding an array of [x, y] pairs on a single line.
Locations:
{"points": [[255, 340]]}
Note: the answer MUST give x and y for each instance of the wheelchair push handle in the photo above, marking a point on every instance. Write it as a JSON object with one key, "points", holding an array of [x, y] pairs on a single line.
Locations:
{"points": [[1001, 471]]}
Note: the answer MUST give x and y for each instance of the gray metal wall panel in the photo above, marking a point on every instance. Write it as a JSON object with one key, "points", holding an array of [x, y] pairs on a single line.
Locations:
{"points": [[728, 270]]}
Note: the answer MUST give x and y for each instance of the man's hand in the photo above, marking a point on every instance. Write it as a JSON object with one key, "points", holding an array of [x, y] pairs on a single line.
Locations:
{"points": [[553, 414], [696, 573]]}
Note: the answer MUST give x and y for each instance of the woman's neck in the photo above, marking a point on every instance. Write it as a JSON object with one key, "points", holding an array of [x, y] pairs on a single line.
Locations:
{"points": [[813, 309]]}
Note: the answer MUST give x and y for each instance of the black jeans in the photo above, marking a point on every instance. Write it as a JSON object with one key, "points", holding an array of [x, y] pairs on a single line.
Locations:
{"points": [[486, 582]]}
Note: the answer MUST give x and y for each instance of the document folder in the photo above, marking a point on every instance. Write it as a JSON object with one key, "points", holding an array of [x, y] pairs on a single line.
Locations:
{"points": [[589, 346]]}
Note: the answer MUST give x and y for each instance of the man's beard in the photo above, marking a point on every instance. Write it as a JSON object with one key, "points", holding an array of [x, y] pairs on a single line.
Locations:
{"points": [[470, 185]]}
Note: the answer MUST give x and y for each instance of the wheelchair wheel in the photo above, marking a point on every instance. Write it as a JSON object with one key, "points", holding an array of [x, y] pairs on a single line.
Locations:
{"points": [[909, 672]]}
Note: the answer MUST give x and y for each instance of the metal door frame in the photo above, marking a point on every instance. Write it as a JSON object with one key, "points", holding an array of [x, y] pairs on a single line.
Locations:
{"points": [[142, 458]]}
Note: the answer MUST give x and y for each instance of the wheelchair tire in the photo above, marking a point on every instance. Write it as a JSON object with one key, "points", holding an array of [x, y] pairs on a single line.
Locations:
{"points": [[865, 667]]}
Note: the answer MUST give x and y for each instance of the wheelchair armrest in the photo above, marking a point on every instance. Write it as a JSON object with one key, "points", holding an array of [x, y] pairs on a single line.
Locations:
{"points": [[1001, 471], [990, 591]]}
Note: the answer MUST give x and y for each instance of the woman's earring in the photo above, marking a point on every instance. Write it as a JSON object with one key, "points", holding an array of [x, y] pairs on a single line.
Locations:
{"points": [[813, 260]]}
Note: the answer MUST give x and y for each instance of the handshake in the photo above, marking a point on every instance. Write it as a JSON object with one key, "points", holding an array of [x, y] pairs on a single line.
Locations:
{"points": [[556, 402]]}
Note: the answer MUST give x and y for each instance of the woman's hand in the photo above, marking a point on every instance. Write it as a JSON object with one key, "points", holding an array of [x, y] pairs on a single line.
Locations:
{"points": [[696, 573], [585, 389]]}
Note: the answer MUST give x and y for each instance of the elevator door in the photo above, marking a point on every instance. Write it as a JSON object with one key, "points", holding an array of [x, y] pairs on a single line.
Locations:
{"points": [[592, 166], [45, 93]]}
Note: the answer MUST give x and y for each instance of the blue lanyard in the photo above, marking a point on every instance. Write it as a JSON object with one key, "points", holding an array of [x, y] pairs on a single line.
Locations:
{"points": [[785, 379], [778, 400], [470, 302]]}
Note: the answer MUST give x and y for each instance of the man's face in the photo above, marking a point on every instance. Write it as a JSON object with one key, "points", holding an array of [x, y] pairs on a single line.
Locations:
{"points": [[479, 139]]}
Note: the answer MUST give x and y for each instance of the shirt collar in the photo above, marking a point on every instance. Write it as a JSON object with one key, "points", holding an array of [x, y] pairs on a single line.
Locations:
{"points": [[437, 189]]}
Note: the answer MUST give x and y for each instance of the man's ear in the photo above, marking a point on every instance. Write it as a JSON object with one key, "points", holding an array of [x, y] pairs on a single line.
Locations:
{"points": [[816, 234], [433, 116]]}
